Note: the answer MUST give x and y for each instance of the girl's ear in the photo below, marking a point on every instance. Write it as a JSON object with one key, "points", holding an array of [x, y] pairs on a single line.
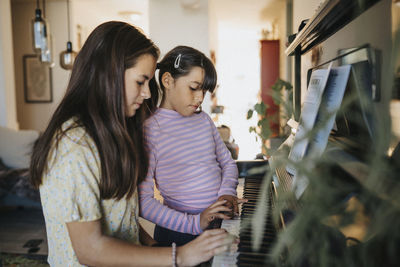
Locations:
{"points": [[167, 80]]}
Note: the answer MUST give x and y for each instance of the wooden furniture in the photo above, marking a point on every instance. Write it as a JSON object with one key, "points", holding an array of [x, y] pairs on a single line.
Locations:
{"points": [[269, 75]]}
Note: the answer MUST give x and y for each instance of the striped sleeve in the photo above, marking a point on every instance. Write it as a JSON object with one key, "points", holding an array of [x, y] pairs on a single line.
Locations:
{"points": [[153, 210], [228, 165]]}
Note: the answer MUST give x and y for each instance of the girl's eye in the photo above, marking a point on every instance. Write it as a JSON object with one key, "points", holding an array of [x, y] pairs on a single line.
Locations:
{"points": [[197, 89], [140, 83]]}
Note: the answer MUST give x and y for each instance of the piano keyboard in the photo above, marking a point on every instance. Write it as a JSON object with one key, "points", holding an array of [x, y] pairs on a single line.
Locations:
{"points": [[245, 256], [228, 259]]}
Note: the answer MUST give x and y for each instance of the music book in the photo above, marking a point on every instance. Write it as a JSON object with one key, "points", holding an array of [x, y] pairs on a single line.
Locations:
{"points": [[316, 87], [324, 97]]}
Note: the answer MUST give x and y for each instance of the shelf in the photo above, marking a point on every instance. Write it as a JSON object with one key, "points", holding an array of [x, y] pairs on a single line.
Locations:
{"points": [[331, 16]]}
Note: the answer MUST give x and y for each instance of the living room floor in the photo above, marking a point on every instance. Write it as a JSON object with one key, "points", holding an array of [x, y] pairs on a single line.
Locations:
{"points": [[22, 237]]}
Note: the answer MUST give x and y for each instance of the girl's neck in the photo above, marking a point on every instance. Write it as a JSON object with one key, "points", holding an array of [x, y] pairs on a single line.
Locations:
{"points": [[164, 104]]}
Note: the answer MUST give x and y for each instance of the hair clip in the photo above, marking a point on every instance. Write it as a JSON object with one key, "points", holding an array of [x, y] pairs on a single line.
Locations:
{"points": [[177, 61]]}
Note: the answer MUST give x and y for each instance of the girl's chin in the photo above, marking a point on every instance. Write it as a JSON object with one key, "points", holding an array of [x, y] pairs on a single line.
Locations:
{"points": [[131, 113], [187, 114]]}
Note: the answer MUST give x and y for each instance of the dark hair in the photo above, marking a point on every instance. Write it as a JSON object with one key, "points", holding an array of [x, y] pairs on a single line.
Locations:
{"points": [[224, 126], [180, 61], [95, 96]]}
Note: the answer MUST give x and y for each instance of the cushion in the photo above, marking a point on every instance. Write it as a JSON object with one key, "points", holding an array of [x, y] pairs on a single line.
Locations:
{"points": [[16, 146]]}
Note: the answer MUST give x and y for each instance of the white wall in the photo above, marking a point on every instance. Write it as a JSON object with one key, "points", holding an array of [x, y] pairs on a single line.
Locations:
{"points": [[303, 9], [91, 13], [171, 24], [8, 111], [239, 26]]}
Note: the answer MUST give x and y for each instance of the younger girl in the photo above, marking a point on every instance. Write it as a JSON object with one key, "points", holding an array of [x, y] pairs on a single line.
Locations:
{"points": [[189, 162]]}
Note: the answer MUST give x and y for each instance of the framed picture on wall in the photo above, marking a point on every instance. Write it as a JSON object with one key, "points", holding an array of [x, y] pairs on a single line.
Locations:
{"points": [[37, 80]]}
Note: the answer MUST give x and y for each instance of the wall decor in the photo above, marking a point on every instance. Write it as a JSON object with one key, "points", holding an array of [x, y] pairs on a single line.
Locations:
{"points": [[37, 80]]}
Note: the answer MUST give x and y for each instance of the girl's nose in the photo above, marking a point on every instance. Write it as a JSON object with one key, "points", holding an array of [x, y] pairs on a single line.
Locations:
{"points": [[145, 92]]}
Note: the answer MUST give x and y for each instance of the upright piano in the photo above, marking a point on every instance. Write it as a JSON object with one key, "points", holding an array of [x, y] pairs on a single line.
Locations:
{"points": [[262, 183]]}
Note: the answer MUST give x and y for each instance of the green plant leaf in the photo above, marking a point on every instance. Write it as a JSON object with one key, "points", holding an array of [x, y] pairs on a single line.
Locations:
{"points": [[260, 108], [250, 114]]}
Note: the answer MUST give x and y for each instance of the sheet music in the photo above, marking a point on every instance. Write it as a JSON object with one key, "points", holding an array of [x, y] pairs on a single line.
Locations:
{"points": [[308, 115], [330, 102]]}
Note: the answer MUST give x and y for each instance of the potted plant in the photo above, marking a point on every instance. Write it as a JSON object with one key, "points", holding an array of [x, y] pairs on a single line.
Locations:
{"points": [[282, 92]]}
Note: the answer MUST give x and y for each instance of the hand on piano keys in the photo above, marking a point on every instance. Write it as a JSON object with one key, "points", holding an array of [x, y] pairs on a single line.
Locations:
{"points": [[245, 256], [224, 209], [214, 212], [233, 203], [208, 244]]}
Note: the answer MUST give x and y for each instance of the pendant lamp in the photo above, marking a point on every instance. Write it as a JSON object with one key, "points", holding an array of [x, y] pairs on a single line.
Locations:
{"points": [[38, 30], [68, 56], [41, 36]]}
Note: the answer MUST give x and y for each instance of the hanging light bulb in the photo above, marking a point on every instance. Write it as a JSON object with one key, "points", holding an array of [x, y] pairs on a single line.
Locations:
{"points": [[38, 30], [46, 56], [41, 36], [67, 57]]}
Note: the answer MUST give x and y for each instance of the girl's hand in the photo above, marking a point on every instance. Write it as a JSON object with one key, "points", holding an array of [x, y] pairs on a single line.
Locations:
{"points": [[213, 212], [232, 202], [204, 247]]}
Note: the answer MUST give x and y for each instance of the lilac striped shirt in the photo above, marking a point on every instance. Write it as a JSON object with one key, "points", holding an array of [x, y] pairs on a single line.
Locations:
{"points": [[191, 167]]}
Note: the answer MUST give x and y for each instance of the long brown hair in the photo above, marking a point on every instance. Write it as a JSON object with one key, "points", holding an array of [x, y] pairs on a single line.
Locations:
{"points": [[96, 97]]}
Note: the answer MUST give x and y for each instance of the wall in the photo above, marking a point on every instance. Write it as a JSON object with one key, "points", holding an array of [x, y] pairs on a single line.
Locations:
{"points": [[239, 25], [8, 111], [303, 9], [171, 24], [88, 14], [36, 115]]}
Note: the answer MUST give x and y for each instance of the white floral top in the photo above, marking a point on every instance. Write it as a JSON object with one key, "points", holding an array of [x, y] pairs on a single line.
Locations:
{"points": [[70, 192]]}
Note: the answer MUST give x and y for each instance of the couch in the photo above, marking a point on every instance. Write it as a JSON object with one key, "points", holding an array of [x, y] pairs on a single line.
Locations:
{"points": [[15, 150]]}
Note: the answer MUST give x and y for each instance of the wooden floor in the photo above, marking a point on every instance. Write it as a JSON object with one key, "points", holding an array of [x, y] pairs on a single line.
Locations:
{"points": [[22, 231]]}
